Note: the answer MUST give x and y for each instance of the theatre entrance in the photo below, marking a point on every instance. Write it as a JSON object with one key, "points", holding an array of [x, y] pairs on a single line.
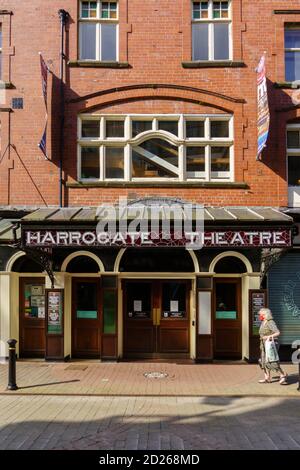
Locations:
{"points": [[227, 319], [86, 318], [156, 318]]}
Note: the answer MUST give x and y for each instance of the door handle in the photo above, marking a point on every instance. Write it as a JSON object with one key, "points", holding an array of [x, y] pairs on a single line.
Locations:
{"points": [[156, 316]]}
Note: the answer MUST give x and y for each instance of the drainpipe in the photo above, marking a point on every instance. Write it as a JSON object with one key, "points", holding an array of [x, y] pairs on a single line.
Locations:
{"points": [[63, 15]]}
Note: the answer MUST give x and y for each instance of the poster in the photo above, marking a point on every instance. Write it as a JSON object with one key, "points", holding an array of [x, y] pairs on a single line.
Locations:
{"points": [[257, 301], [174, 306], [137, 305], [34, 299], [37, 301], [41, 312], [54, 312], [37, 290]]}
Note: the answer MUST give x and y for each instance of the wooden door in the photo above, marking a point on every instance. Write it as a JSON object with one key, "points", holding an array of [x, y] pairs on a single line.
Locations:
{"points": [[227, 319], [156, 318], [32, 317], [139, 338], [174, 324], [86, 318]]}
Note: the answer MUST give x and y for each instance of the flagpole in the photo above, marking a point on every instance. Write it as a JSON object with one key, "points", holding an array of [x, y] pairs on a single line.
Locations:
{"points": [[44, 72], [63, 15]]}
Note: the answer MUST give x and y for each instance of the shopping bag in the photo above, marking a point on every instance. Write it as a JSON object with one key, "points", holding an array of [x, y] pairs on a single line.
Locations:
{"points": [[271, 351]]}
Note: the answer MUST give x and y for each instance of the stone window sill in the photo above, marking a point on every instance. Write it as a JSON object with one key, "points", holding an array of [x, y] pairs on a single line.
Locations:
{"points": [[96, 64], [9, 86], [286, 12], [165, 184], [287, 85], [200, 64]]}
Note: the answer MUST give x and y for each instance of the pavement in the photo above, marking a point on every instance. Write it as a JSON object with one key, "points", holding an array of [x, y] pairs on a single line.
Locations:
{"points": [[148, 423], [119, 406], [146, 379]]}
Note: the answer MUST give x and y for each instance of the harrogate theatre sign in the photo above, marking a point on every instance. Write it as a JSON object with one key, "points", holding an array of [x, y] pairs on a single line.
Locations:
{"points": [[215, 239]]}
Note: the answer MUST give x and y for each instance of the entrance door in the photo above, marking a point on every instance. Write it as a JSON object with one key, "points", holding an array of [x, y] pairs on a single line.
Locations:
{"points": [[227, 319], [32, 317], [86, 318], [156, 318]]}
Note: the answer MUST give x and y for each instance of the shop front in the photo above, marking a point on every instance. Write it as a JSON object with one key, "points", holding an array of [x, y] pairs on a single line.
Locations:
{"points": [[156, 323], [64, 295]]}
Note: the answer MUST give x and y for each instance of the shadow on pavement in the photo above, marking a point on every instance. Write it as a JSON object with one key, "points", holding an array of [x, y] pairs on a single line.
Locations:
{"points": [[50, 383], [191, 424]]}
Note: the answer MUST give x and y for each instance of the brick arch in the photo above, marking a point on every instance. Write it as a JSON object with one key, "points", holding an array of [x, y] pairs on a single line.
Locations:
{"points": [[132, 93]]}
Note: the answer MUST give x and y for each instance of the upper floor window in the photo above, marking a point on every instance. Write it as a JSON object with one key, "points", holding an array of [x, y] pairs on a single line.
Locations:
{"points": [[292, 51], [293, 154], [98, 31], [211, 30], [293, 164], [161, 147], [0, 52]]}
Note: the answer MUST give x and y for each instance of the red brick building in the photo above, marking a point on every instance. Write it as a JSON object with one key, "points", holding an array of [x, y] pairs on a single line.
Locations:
{"points": [[159, 103]]}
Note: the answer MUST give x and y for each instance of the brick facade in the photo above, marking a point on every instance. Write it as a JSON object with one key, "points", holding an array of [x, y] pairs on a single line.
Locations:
{"points": [[155, 39]]}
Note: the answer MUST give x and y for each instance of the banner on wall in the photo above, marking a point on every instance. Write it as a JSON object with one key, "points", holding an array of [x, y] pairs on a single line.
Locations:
{"points": [[44, 73], [263, 112]]}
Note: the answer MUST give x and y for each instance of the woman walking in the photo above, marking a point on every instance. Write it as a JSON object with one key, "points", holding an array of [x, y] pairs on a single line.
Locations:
{"points": [[268, 331]]}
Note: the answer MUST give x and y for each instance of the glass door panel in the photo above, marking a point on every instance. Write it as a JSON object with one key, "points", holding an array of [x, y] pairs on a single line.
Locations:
{"points": [[227, 319], [87, 304], [139, 300], [226, 301], [173, 300]]}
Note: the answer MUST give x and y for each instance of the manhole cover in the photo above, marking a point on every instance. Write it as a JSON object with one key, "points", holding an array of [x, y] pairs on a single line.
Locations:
{"points": [[79, 367], [155, 375]]}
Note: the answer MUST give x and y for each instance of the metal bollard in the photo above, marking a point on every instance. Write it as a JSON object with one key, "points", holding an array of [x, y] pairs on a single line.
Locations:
{"points": [[12, 365], [299, 370]]}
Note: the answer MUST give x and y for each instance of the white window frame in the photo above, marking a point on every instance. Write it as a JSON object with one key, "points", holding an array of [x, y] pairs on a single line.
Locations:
{"points": [[211, 22], [1, 54], [292, 152], [293, 191], [290, 49], [99, 21], [181, 141]]}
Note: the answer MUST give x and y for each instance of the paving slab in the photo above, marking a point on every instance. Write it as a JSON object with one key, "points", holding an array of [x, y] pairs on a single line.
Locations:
{"points": [[128, 379], [125, 423]]}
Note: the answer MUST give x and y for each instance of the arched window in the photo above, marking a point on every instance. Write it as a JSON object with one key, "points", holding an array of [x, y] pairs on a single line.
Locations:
{"points": [[26, 265], [230, 265], [82, 264], [155, 158], [157, 260], [175, 147]]}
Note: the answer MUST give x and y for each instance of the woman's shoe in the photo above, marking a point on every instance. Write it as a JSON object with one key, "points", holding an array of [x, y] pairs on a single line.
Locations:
{"points": [[264, 381], [283, 380]]}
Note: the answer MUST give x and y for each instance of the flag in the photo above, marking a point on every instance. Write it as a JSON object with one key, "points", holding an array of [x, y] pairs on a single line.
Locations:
{"points": [[44, 72], [43, 142], [263, 117]]}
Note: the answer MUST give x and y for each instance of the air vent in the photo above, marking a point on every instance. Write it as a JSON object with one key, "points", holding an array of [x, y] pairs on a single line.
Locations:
{"points": [[17, 103]]}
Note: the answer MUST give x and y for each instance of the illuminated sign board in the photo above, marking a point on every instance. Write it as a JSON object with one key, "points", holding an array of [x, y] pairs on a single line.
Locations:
{"points": [[215, 239]]}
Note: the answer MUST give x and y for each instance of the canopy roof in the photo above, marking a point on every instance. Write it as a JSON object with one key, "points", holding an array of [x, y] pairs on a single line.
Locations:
{"points": [[90, 215]]}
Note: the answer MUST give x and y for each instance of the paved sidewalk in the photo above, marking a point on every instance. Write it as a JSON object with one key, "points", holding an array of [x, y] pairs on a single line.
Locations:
{"points": [[148, 423], [128, 379]]}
